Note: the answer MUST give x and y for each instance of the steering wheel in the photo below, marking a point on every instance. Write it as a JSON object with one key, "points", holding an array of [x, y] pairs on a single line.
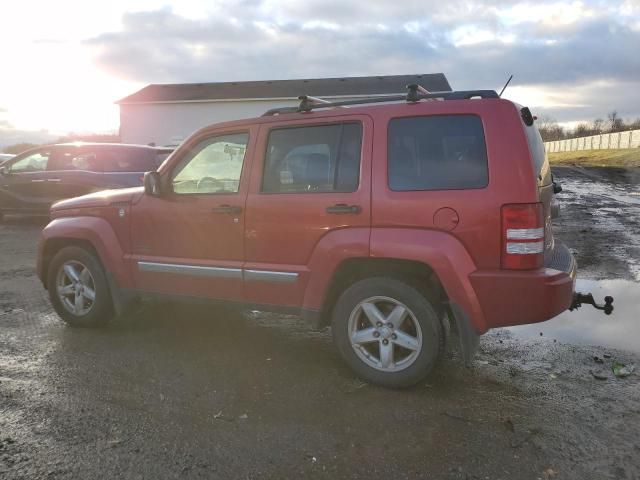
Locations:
{"points": [[209, 184]]}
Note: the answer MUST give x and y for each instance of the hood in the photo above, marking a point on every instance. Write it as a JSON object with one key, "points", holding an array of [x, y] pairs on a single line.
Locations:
{"points": [[104, 198]]}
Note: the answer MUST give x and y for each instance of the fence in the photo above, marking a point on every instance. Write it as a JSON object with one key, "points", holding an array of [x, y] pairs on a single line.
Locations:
{"points": [[628, 139]]}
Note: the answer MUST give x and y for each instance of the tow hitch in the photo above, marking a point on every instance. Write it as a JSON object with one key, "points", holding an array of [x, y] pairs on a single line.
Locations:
{"points": [[580, 298]]}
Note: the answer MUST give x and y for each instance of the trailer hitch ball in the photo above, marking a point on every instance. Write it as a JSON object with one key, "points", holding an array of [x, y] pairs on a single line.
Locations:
{"points": [[608, 305], [581, 298]]}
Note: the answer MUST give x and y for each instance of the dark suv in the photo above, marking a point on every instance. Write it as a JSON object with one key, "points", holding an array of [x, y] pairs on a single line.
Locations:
{"points": [[384, 221], [33, 180]]}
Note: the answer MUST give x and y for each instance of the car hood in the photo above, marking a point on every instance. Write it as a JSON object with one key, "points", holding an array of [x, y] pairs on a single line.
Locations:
{"points": [[104, 198]]}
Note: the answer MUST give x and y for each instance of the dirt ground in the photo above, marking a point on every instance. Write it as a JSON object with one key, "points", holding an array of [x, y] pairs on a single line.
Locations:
{"points": [[174, 392]]}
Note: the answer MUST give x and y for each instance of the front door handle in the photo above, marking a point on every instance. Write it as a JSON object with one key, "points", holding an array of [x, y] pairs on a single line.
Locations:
{"points": [[53, 180], [344, 209], [38, 181], [229, 209]]}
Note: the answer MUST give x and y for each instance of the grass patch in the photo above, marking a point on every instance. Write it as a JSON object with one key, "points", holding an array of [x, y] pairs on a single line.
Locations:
{"points": [[625, 157]]}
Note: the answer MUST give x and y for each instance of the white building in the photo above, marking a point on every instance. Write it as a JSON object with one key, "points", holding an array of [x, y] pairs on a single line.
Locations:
{"points": [[167, 114]]}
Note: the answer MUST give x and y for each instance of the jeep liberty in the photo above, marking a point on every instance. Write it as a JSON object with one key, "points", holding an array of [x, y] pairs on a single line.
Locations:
{"points": [[387, 219]]}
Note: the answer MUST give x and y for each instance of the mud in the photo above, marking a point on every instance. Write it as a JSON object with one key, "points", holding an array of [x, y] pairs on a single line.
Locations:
{"points": [[180, 392], [600, 220]]}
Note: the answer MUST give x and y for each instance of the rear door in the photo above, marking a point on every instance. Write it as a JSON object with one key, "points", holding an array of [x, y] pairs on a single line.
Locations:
{"points": [[74, 171], [25, 186], [309, 180]]}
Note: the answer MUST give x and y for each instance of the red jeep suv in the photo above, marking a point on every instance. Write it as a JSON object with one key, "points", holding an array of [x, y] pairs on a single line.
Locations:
{"points": [[384, 218]]}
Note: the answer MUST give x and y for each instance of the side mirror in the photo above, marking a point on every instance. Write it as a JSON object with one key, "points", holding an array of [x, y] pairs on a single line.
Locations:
{"points": [[152, 184], [3, 171]]}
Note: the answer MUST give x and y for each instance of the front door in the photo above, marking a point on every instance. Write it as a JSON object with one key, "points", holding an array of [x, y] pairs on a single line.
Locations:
{"points": [[310, 180], [25, 186], [190, 241]]}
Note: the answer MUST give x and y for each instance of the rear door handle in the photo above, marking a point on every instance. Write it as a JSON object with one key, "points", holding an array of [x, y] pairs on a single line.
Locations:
{"points": [[344, 209], [229, 209], [38, 181], [53, 180]]}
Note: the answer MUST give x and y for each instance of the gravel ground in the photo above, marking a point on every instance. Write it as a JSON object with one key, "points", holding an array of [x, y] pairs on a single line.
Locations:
{"points": [[177, 391]]}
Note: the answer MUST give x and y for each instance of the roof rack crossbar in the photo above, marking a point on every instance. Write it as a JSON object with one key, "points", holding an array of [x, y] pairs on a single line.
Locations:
{"points": [[412, 96]]}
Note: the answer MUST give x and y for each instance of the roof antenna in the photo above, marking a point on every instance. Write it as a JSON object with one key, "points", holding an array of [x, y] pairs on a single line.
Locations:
{"points": [[505, 86]]}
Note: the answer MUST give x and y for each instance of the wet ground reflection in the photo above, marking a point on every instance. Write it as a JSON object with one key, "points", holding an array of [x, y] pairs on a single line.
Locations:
{"points": [[588, 326]]}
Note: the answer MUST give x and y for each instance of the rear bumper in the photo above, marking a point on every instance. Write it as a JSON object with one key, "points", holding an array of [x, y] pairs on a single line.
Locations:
{"points": [[514, 298]]}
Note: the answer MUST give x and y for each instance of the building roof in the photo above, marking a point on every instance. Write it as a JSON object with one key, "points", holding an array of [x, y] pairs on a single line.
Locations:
{"points": [[319, 87]]}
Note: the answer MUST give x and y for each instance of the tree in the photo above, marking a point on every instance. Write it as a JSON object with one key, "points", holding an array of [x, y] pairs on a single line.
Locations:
{"points": [[549, 129], [598, 126], [19, 148], [90, 137], [582, 130], [614, 122], [634, 125]]}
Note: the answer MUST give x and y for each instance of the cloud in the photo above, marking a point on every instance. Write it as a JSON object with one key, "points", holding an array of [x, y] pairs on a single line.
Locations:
{"points": [[558, 46]]}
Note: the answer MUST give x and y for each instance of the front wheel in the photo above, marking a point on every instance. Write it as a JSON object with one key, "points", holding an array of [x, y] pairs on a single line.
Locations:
{"points": [[387, 331], [78, 288]]}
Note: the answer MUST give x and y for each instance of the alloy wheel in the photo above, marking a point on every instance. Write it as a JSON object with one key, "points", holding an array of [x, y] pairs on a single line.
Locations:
{"points": [[385, 334], [76, 288]]}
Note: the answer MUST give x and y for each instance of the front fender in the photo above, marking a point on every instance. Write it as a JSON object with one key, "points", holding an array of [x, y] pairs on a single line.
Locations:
{"points": [[99, 233], [444, 254]]}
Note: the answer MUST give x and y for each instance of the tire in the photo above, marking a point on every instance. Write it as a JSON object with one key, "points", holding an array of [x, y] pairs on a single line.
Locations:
{"points": [[418, 327], [64, 292]]}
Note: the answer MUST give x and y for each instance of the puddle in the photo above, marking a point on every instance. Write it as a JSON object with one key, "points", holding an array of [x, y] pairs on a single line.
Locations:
{"points": [[612, 202], [588, 326]]}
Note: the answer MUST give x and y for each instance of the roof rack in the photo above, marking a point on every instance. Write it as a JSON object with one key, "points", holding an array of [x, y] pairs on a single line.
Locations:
{"points": [[414, 94]]}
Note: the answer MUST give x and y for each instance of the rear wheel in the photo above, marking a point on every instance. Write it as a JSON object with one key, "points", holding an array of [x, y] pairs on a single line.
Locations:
{"points": [[78, 288], [387, 331]]}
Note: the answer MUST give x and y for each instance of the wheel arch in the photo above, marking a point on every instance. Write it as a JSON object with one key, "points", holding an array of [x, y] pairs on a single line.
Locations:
{"points": [[351, 270], [53, 245], [439, 257], [92, 233]]}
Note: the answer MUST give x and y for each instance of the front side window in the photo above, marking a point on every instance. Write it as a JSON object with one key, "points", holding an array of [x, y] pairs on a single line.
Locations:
{"points": [[36, 162], [444, 152], [324, 158], [212, 166]]}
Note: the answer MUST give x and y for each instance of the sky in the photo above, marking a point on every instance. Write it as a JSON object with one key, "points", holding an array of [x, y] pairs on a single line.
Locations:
{"points": [[65, 63]]}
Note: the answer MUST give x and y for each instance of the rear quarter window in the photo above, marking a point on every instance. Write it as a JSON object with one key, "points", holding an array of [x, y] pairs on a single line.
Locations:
{"points": [[538, 154], [443, 152]]}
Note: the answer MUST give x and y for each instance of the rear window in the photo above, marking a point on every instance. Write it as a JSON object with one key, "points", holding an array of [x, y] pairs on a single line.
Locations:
{"points": [[129, 160], [444, 152]]}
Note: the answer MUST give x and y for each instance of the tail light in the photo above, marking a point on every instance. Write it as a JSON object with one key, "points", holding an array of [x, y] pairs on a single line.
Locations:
{"points": [[522, 236]]}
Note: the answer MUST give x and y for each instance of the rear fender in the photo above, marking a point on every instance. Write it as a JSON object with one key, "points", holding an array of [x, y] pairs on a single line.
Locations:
{"points": [[333, 249], [445, 255]]}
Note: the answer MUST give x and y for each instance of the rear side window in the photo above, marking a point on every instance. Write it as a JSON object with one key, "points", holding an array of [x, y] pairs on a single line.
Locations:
{"points": [[74, 159], [444, 152], [323, 158], [128, 159]]}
